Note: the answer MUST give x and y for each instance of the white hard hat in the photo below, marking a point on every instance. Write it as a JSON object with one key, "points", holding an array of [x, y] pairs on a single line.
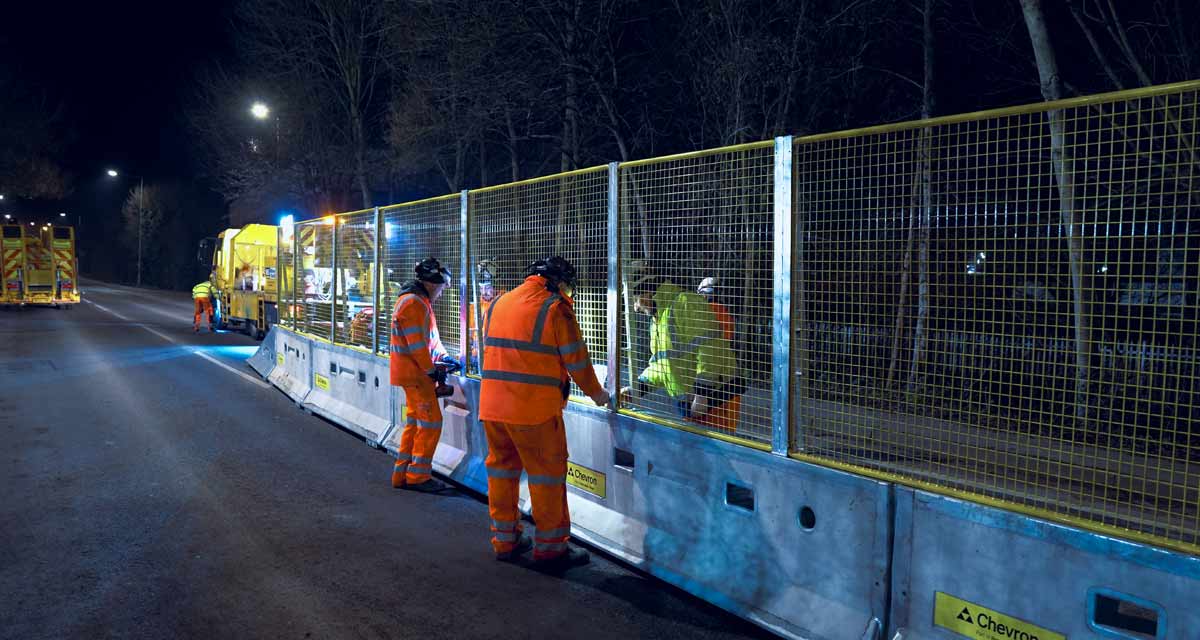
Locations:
{"points": [[708, 286]]}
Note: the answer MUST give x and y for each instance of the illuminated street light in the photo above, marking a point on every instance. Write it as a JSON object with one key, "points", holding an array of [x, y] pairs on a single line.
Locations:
{"points": [[260, 111], [7, 216], [112, 173], [1, 196], [62, 215]]}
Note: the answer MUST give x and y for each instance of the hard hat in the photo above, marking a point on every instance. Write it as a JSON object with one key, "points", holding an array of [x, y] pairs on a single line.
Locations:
{"points": [[708, 286], [485, 271], [555, 270], [430, 270]]}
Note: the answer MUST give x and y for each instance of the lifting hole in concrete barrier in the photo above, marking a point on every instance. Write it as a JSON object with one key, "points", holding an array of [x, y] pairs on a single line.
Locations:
{"points": [[623, 459], [332, 367], [739, 496], [1119, 615], [808, 518], [376, 382], [362, 377]]}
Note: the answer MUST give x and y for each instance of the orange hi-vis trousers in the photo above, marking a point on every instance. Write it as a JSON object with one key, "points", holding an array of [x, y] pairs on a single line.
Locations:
{"points": [[541, 450], [203, 308], [419, 439], [723, 417]]}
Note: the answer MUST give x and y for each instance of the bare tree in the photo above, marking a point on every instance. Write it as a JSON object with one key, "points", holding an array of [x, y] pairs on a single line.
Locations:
{"points": [[336, 48], [1060, 160]]}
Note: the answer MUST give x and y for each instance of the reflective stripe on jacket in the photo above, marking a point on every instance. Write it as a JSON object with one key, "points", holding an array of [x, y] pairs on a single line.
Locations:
{"points": [[532, 348], [686, 343], [414, 344], [202, 290]]}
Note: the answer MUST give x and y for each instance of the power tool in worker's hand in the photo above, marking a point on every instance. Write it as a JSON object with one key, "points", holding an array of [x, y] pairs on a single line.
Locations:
{"points": [[444, 367]]}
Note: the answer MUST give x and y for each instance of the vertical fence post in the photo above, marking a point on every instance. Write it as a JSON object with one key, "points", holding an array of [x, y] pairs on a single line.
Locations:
{"points": [[376, 281], [333, 288], [279, 300], [295, 274], [464, 307], [782, 320], [613, 381]]}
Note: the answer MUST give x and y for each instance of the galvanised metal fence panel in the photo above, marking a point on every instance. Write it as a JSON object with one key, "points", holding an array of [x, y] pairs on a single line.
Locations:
{"points": [[412, 232], [314, 277], [515, 224], [1003, 306], [355, 263], [696, 234]]}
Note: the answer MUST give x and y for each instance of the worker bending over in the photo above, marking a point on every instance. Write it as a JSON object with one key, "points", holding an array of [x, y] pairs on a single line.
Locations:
{"points": [[532, 348], [202, 297], [690, 356], [419, 363]]}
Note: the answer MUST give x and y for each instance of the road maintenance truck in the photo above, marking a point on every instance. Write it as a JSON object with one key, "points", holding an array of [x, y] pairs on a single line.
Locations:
{"points": [[39, 266], [244, 278]]}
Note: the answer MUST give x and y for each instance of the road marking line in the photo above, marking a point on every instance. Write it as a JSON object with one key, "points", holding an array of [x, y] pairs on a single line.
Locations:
{"points": [[249, 378]]}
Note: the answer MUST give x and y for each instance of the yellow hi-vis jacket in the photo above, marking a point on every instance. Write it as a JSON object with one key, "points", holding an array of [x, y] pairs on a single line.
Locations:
{"points": [[686, 343], [202, 290]]}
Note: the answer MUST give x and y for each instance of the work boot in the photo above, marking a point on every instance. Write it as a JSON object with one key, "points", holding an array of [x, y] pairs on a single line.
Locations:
{"points": [[398, 477], [431, 485], [572, 558], [523, 544]]}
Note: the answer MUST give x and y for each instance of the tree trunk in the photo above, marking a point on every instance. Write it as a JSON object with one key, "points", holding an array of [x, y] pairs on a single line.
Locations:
{"points": [[916, 373], [360, 155], [1060, 159], [513, 159]]}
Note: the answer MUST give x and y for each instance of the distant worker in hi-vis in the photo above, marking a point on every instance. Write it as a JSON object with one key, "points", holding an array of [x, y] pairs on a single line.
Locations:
{"points": [[202, 297], [419, 363], [532, 349], [488, 293]]}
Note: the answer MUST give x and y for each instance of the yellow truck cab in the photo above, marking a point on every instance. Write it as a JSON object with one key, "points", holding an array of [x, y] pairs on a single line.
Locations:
{"points": [[244, 278]]}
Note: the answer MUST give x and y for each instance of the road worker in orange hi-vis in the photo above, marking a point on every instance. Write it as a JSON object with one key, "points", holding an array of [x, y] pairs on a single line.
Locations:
{"points": [[488, 293], [202, 297], [419, 364], [723, 416], [532, 349]]}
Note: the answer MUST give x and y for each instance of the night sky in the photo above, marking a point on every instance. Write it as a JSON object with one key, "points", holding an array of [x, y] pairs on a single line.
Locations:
{"points": [[122, 72]]}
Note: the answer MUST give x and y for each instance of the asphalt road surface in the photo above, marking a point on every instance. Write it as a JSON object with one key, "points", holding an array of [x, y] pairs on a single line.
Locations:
{"points": [[154, 487]]}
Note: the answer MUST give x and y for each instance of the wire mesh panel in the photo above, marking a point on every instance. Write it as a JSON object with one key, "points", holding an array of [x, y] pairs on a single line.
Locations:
{"points": [[564, 215], [314, 276], [355, 262], [696, 234], [412, 232], [286, 276], [1006, 305]]}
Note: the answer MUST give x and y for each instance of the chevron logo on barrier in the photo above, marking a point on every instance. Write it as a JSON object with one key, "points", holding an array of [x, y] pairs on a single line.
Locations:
{"points": [[965, 616]]}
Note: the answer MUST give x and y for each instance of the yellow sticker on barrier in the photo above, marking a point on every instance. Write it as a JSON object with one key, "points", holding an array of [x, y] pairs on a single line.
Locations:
{"points": [[975, 621], [321, 382], [586, 479], [279, 359]]}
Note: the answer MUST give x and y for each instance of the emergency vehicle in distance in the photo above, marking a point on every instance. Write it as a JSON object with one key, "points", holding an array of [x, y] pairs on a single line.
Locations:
{"points": [[244, 278], [38, 266]]}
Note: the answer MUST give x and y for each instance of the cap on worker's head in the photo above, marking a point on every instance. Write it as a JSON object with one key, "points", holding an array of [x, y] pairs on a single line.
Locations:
{"points": [[708, 286], [430, 270], [485, 272], [555, 270]]}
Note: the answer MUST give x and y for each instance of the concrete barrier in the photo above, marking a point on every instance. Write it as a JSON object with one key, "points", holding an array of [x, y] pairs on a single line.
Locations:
{"points": [[988, 573], [802, 550], [292, 373], [263, 360], [351, 387]]}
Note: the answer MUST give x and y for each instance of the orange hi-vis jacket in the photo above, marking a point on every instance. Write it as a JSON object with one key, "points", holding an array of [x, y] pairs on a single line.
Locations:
{"points": [[415, 345], [531, 345]]}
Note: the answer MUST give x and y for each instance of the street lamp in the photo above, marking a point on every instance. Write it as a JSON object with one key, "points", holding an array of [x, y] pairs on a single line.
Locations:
{"points": [[260, 110], [112, 173]]}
